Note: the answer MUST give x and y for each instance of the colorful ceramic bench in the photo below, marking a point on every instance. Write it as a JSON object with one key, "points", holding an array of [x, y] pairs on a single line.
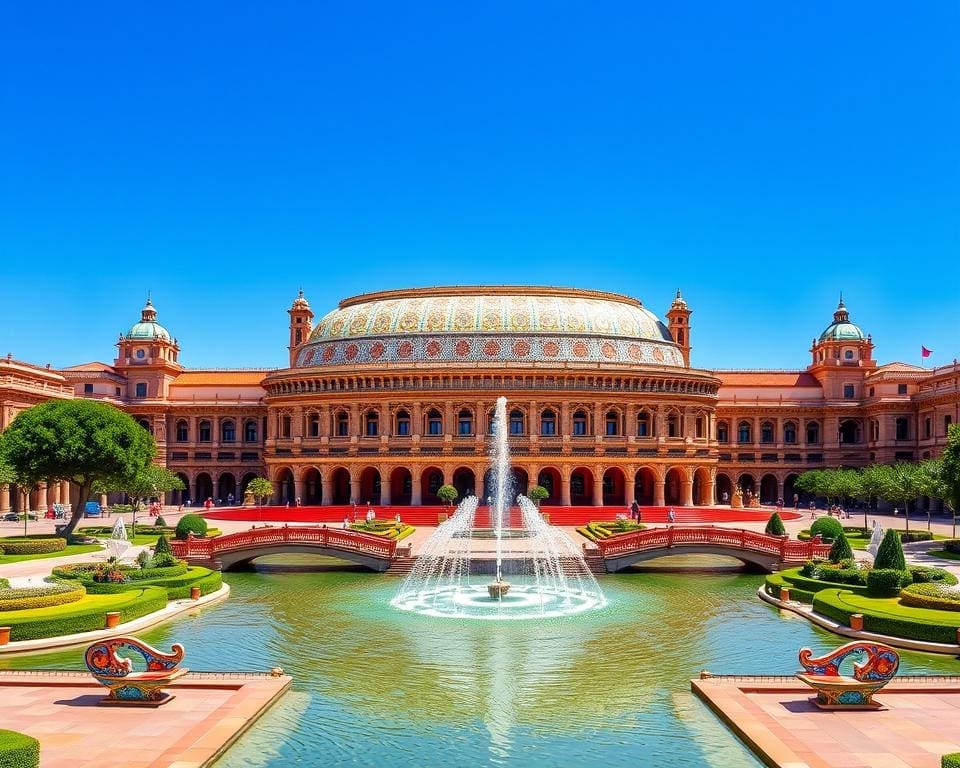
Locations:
{"points": [[128, 687], [837, 691]]}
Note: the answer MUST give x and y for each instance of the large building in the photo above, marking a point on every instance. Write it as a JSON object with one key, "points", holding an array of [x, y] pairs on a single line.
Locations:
{"points": [[390, 395]]}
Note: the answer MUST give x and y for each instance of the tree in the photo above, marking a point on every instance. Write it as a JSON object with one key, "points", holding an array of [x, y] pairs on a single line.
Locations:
{"points": [[871, 487], [890, 552], [841, 549], [930, 482], [775, 525], [901, 482], [152, 480], [538, 493], [447, 494], [950, 473], [813, 481], [261, 488], [82, 441]]}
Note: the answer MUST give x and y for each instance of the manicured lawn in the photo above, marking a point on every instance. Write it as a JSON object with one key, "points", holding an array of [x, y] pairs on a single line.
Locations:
{"points": [[70, 549], [887, 616], [944, 554]]}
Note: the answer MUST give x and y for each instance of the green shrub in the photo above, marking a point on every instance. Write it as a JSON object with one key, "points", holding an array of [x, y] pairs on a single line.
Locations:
{"points": [[143, 559], [177, 586], [4, 584], [795, 578], [17, 545], [775, 581], [191, 524], [932, 596], [887, 582], [840, 575], [923, 574], [841, 548], [40, 597], [952, 546], [890, 552], [907, 536], [887, 616], [775, 525], [160, 522], [827, 527], [950, 761], [811, 567], [17, 750]]}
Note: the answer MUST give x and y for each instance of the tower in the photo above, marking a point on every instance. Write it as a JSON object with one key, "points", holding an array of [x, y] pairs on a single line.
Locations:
{"points": [[678, 317], [301, 324], [842, 344]]}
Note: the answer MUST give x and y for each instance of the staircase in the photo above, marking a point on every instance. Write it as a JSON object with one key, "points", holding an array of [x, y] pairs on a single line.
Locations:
{"points": [[400, 566]]}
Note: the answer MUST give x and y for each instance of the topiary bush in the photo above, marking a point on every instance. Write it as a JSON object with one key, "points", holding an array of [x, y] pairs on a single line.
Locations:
{"points": [[18, 545], [923, 574], [848, 575], [841, 549], [890, 552], [4, 584], [775, 526], [887, 582], [950, 761], [17, 750], [191, 524], [827, 527], [160, 522]]}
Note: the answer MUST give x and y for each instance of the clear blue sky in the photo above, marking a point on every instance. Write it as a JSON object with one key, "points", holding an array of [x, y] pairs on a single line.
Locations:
{"points": [[761, 156]]}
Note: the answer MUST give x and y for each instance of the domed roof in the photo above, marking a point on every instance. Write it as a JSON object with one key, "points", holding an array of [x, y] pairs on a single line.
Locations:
{"points": [[148, 328], [484, 323], [841, 329]]}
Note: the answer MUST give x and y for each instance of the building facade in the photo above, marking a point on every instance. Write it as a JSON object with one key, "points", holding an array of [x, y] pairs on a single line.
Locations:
{"points": [[390, 395]]}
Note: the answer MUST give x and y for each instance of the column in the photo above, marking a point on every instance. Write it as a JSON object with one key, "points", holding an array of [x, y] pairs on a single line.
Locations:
{"points": [[598, 489], [42, 502], [415, 485], [563, 428], [355, 489], [712, 490], [326, 489], [4, 498], [686, 492], [324, 421], [297, 488], [103, 500], [64, 492], [416, 428], [565, 489], [659, 496], [386, 496]]}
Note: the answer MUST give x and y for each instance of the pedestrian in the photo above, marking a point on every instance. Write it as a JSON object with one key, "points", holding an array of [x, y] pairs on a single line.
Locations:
{"points": [[671, 515], [397, 518], [725, 497], [298, 501], [346, 523], [796, 501], [371, 515], [635, 511]]}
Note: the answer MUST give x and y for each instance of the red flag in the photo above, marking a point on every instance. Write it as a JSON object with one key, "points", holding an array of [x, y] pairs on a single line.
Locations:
{"points": [[924, 352]]}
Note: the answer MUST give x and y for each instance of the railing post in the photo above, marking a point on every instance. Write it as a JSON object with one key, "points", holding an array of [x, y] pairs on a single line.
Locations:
{"points": [[670, 537], [783, 549]]}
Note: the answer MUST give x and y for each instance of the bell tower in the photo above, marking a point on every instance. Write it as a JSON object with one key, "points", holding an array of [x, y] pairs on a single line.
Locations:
{"points": [[301, 324], [678, 317]]}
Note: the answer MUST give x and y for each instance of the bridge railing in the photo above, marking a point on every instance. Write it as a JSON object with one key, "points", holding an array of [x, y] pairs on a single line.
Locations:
{"points": [[330, 538], [733, 538]]}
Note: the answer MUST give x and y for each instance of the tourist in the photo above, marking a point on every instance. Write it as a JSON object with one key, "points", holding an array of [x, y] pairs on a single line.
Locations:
{"points": [[298, 501], [371, 515], [896, 511], [635, 511], [725, 497], [208, 504], [397, 518], [671, 515], [230, 499], [346, 523], [796, 501]]}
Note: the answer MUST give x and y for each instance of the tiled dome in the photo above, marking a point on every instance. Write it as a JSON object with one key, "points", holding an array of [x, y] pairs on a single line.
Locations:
{"points": [[148, 328], [476, 324], [841, 329]]}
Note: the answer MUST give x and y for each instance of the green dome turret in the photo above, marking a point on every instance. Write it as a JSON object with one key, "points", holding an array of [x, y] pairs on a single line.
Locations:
{"points": [[841, 329], [148, 329]]}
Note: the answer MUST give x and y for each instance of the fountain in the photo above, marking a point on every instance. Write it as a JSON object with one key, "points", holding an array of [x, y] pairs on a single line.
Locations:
{"points": [[875, 538], [118, 543], [548, 574]]}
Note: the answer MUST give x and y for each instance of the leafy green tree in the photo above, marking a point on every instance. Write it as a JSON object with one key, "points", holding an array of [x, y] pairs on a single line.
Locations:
{"points": [[901, 483], [871, 487], [152, 480], [812, 481], [890, 552], [261, 488], [82, 441], [775, 526], [841, 549], [447, 494], [538, 493], [950, 473]]}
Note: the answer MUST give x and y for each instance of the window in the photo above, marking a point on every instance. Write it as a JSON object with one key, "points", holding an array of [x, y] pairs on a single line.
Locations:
{"points": [[403, 423], [285, 425], [204, 432], [813, 433], [901, 389], [373, 424], [88, 389], [723, 434], [848, 354], [579, 423], [116, 391], [848, 391], [516, 422], [743, 432], [434, 423], [612, 425], [789, 432], [141, 390], [643, 424], [673, 425], [313, 424], [228, 432], [465, 422], [928, 427], [766, 432], [140, 354], [872, 391], [903, 428], [700, 423], [548, 424], [250, 431], [343, 424], [182, 432]]}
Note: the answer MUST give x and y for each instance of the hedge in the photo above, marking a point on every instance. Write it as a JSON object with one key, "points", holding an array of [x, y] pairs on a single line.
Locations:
{"points": [[84, 616], [191, 524], [17, 750], [923, 574], [175, 584], [81, 571], [950, 761], [826, 527], [4, 584], [888, 582], [930, 596], [18, 545], [40, 597], [886, 616], [775, 581], [208, 584], [803, 588]]}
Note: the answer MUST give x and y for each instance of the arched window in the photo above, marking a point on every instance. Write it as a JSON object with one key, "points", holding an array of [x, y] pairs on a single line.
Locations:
{"points": [[723, 432], [204, 434], [743, 432], [145, 424], [673, 424], [612, 424], [903, 428], [548, 423], [849, 431], [465, 422], [313, 424], [285, 425], [434, 422], [342, 424], [516, 422], [813, 432], [403, 423], [372, 426], [183, 431], [766, 432], [790, 432], [700, 426], [644, 422], [580, 423], [250, 431], [228, 431]]}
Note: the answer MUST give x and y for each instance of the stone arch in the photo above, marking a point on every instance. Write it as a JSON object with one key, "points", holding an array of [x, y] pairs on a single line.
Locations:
{"points": [[369, 486], [465, 482], [226, 487], [701, 487], [581, 487], [340, 486], [790, 490], [673, 483], [614, 488], [431, 478], [724, 488], [769, 489], [285, 487], [203, 484], [182, 497], [401, 486], [521, 483], [312, 486], [550, 478], [747, 482], [245, 482], [644, 486]]}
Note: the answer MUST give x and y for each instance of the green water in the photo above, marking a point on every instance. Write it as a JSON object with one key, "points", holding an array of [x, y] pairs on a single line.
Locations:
{"points": [[378, 687]]}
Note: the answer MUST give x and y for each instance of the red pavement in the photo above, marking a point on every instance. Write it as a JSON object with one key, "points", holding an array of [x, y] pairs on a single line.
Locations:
{"points": [[427, 515]]}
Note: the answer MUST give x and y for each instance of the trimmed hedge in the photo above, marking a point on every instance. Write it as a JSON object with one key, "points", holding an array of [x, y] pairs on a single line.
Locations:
{"points": [[14, 545], [888, 582], [191, 524], [950, 761], [887, 617], [209, 583], [923, 574], [174, 583], [17, 750], [775, 526], [931, 596], [890, 552], [803, 588], [4, 584], [86, 615], [40, 597], [775, 581], [83, 571], [827, 527]]}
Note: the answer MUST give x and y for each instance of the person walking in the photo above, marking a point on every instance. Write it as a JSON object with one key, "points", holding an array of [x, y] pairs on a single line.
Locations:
{"points": [[635, 511], [671, 516]]}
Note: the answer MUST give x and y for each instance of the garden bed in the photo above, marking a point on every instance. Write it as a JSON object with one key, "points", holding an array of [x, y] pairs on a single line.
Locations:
{"points": [[887, 616], [604, 529]]}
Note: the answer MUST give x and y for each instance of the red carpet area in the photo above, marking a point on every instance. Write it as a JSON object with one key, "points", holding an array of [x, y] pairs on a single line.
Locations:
{"points": [[567, 516]]}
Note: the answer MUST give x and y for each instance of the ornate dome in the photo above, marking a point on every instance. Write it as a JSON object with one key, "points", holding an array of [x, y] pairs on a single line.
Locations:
{"points": [[490, 324], [148, 328], [841, 329]]}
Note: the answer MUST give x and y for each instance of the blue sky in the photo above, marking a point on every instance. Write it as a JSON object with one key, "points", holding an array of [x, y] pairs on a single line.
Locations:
{"points": [[760, 156]]}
